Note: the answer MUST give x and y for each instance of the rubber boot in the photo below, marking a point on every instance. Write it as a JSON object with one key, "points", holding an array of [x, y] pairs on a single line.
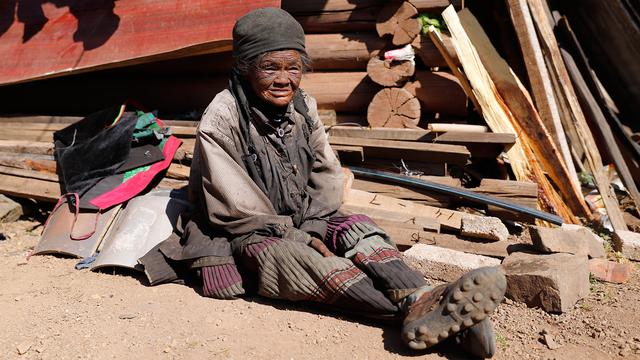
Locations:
{"points": [[452, 308]]}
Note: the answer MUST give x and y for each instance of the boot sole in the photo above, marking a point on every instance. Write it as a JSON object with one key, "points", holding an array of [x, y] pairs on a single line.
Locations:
{"points": [[467, 302]]}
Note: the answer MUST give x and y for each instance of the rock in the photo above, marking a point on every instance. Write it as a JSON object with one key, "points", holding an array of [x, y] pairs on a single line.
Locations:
{"points": [[445, 264], [551, 343], [628, 243], [610, 271], [484, 227], [9, 210], [552, 282], [571, 239], [23, 347]]}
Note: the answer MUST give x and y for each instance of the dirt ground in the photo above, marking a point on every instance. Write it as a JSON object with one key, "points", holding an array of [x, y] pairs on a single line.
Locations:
{"points": [[49, 310]]}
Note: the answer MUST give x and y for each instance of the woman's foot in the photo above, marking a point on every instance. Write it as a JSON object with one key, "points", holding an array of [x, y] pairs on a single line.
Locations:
{"points": [[457, 306]]}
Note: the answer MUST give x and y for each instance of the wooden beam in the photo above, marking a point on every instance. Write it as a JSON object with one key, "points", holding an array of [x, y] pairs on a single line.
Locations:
{"points": [[540, 15], [601, 127], [449, 219], [500, 119], [422, 135], [526, 117], [424, 222], [542, 89], [454, 154]]}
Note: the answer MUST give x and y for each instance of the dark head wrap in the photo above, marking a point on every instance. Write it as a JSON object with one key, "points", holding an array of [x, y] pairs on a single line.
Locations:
{"points": [[256, 33], [264, 30]]}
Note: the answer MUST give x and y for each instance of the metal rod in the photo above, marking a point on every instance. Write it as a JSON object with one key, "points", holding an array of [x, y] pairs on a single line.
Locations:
{"points": [[454, 191]]}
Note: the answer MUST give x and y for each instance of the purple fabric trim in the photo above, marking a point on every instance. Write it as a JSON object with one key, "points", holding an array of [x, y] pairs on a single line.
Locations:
{"points": [[254, 249], [339, 225], [217, 278]]}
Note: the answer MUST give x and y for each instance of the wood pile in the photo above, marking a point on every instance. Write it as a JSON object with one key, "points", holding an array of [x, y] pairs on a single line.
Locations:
{"points": [[457, 114]]}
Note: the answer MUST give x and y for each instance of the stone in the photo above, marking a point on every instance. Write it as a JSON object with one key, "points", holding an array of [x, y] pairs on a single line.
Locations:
{"points": [[627, 243], [23, 347], [572, 239], [445, 264], [552, 282], [610, 271], [484, 227], [9, 210], [551, 343]]}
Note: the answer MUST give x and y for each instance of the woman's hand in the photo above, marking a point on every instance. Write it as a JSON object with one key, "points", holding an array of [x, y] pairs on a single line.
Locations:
{"points": [[320, 247]]}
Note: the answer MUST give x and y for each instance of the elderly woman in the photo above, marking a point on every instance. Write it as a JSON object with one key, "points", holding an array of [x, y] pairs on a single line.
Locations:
{"points": [[267, 188]]}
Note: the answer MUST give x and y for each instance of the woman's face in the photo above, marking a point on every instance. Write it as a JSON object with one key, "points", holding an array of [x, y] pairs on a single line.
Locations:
{"points": [[276, 77]]}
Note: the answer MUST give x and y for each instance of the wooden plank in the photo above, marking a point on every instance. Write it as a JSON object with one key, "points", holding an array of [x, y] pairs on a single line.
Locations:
{"points": [[526, 117], [377, 214], [598, 123], [539, 13], [330, 16], [423, 135], [43, 163], [500, 119], [630, 148], [31, 174], [26, 146], [454, 154], [29, 188], [449, 219], [60, 40], [420, 196], [396, 165], [519, 192], [497, 249], [542, 89], [45, 187]]}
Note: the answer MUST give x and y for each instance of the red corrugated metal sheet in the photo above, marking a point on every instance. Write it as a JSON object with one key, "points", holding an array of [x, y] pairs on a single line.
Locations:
{"points": [[45, 38]]}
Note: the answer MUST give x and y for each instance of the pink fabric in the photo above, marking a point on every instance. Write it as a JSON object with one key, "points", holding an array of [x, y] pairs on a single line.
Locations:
{"points": [[139, 181]]}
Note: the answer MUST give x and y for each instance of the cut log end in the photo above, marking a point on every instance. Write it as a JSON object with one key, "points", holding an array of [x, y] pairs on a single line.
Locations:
{"points": [[394, 108], [400, 21], [389, 73]]}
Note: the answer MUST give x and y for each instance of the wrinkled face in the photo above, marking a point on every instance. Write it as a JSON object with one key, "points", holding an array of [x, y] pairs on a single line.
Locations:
{"points": [[276, 77]]}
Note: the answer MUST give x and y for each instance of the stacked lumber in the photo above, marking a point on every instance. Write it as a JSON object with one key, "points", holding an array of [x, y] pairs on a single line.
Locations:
{"points": [[455, 115]]}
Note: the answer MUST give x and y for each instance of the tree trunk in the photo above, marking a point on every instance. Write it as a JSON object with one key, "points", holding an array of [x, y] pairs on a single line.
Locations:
{"points": [[395, 108], [439, 92], [388, 72], [399, 19]]}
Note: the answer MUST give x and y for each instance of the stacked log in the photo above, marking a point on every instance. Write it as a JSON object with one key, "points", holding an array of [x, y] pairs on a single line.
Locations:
{"points": [[410, 90]]}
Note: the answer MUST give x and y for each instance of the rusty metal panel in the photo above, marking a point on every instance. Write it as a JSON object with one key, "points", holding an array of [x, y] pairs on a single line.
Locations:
{"points": [[46, 38], [56, 237]]}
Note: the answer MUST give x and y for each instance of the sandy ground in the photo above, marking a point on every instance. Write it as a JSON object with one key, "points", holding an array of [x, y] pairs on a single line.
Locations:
{"points": [[49, 310]]}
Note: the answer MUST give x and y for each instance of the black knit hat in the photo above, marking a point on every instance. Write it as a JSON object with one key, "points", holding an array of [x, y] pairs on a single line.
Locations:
{"points": [[264, 30]]}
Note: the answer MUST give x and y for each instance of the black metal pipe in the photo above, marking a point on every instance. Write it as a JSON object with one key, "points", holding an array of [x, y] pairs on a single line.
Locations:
{"points": [[454, 191]]}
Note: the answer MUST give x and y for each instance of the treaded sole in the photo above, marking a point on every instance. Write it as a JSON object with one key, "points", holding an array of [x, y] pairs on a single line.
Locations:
{"points": [[465, 303]]}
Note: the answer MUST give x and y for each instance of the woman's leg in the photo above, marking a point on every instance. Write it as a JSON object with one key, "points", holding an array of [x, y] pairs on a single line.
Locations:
{"points": [[359, 239], [294, 271]]}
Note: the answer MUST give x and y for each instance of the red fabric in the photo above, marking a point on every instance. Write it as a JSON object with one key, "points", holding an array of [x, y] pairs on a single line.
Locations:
{"points": [[140, 181]]}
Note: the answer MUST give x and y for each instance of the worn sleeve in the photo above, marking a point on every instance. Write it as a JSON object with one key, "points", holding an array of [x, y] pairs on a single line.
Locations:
{"points": [[233, 201], [325, 184]]}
